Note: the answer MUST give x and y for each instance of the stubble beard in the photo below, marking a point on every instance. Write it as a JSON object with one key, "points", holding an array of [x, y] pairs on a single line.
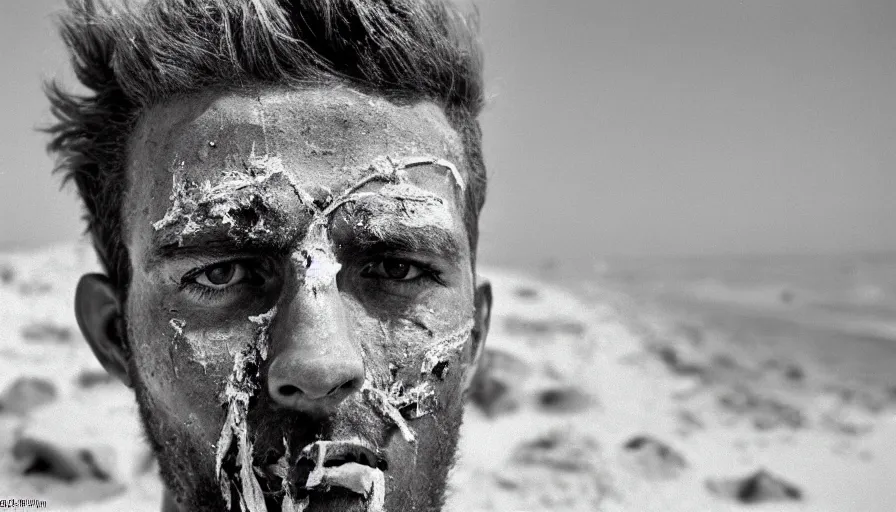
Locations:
{"points": [[188, 469]]}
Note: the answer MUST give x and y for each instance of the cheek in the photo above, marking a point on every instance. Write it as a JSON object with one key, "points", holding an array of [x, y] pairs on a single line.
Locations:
{"points": [[182, 366], [418, 360], [396, 341]]}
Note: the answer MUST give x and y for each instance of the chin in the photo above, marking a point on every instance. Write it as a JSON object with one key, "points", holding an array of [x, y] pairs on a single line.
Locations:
{"points": [[336, 500]]}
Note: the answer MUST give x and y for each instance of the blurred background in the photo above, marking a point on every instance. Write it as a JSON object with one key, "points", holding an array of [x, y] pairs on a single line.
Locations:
{"points": [[690, 229], [696, 127]]}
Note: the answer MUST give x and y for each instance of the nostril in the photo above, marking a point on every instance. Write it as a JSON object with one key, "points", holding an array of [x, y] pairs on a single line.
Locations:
{"points": [[289, 390]]}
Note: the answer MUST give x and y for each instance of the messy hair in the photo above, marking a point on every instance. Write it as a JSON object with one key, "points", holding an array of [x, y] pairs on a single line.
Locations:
{"points": [[130, 57]]}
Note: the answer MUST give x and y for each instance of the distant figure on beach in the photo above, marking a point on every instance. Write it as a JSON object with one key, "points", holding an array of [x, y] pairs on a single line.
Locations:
{"points": [[284, 196]]}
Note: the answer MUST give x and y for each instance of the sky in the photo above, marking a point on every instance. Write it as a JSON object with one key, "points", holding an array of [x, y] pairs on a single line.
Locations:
{"points": [[695, 127]]}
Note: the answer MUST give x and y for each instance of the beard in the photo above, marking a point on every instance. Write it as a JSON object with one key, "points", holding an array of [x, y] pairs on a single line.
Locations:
{"points": [[415, 474]]}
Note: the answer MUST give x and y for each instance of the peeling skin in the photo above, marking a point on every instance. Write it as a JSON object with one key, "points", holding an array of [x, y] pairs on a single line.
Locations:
{"points": [[241, 386], [196, 204], [262, 332], [315, 259], [421, 397], [382, 403], [357, 478], [414, 161], [178, 326], [387, 170], [397, 403], [281, 469], [404, 204], [325, 148], [445, 349], [201, 352]]}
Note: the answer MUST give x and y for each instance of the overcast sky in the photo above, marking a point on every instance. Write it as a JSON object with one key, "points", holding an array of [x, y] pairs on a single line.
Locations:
{"points": [[687, 127]]}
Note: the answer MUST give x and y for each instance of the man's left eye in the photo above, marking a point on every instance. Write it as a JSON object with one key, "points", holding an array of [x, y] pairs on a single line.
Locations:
{"points": [[394, 269], [222, 275]]}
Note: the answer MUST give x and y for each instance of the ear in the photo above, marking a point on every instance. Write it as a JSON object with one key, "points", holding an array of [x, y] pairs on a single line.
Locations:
{"points": [[99, 313], [482, 317]]}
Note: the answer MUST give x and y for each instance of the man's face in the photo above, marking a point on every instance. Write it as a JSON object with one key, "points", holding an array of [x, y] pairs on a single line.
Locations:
{"points": [[300, 273]]}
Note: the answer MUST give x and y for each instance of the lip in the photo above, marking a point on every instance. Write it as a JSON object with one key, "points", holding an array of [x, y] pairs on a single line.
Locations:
{"points": [[335, 453], [340, 466]]}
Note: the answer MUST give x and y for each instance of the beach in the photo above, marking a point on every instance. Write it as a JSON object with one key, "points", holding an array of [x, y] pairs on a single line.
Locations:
{"points": [[640, 388]]}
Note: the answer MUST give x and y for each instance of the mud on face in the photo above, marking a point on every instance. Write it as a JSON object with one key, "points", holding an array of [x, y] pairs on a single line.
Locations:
{"points": [[408, 393]]}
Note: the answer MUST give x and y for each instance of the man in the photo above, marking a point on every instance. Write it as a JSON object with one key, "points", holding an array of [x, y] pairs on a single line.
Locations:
{"points": [[284, 195]]}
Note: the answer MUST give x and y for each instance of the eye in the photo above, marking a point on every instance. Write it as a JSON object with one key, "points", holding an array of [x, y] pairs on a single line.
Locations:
{"points": [[393, 269], [222, 275]]}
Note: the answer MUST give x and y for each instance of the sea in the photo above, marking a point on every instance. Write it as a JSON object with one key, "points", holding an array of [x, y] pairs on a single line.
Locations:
{"points": [[835, 312]]}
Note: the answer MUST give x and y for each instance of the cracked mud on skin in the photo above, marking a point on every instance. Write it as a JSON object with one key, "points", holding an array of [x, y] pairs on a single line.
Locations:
{"points": [[239, 201], [241, 386]]}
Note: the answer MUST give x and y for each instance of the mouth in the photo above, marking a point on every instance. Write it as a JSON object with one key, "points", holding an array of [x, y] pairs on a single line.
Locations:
{"points": [[330, 454], [351, 466]]}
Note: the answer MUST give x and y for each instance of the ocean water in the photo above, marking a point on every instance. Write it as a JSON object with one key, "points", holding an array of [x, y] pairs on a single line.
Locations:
{"points": [[836, 313]]}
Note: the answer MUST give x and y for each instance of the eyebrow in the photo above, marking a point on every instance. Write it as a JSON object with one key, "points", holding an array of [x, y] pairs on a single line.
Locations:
{"points": [[389, 232], [213, 239]]}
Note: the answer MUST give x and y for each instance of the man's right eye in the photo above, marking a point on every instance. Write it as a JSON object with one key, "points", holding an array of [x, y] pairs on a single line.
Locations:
{"points": [[393, 269], [222, 275]]}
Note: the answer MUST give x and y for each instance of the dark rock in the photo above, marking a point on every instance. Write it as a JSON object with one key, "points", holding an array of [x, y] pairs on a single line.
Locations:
{"points": [[653, 458], [766, 413], [847, 422], [563, 399], [44, 458], [559, 470], [692, 333], [26, 394], [559, 450], [787, 296], [725, 361], [690, 421], [794, 373], [7, 273], [47, 332], [680, 359], [92, 378], [495, 387], [760, 487], [519, 326], [35, 288], [526, 292], [790, 371]]}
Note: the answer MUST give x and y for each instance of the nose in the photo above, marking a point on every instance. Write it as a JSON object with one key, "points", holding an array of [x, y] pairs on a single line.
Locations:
{"points": [[314, 362]]}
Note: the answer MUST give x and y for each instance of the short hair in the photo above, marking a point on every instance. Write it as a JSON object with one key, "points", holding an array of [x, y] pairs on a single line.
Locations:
{"points": [[133, 56]]}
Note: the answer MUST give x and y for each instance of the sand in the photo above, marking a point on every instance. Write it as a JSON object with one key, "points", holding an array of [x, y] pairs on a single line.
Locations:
{"points": [[588, 403]]}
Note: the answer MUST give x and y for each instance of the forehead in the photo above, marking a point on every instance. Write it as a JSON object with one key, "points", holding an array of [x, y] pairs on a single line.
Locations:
{"points": [[325, 138]]}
